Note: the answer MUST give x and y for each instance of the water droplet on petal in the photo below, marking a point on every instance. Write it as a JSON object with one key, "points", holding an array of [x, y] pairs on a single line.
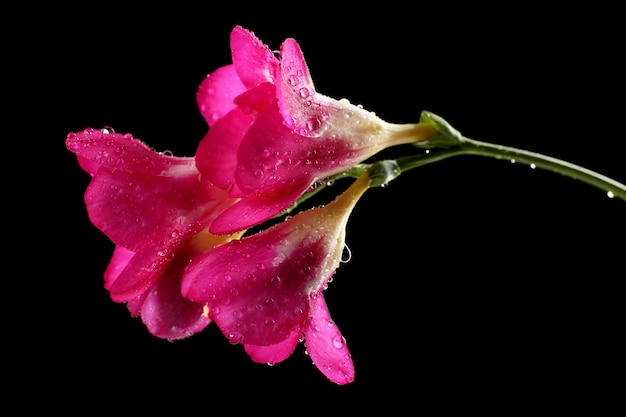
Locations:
{"points": [[235, 338], [313, 124], [338, 341]]}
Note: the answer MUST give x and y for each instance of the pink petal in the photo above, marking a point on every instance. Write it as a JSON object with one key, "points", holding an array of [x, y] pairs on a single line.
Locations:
{"points": [[326, 345], [274, 353], [158, 258], [257, 294], [217, 92], [216, 156], [271, 157], [141, 272], [134, 305], [167, 314], [258, 288], [253, 59], [255, 209], [119, 261], [296, 92], [88, 165], [257, 99], [133, 209], [121, 257], [115, 151], [138, 195]]}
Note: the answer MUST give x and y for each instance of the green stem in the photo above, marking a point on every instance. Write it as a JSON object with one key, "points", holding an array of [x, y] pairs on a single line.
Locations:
{"points": [[468, 146]]}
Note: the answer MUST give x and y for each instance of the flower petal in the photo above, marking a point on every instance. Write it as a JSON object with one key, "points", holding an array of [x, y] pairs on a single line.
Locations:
{"points": [[141, 272], [266, 157], [326, 345], [252, 295], [167, 314], [133, 209], [271, 157], [258, 288], [274, 353], [216, 93], [257, 99], [216, 156], [120, 259], [115, 151], [254, 209], [253, 60], [296, 92]]}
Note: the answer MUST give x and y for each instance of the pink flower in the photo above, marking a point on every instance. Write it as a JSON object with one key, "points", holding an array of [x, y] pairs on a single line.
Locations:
{"points": [[154, 208], [272, 135], [265, 290]]}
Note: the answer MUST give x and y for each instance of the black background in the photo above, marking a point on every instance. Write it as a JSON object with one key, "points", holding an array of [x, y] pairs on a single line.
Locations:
{"points": [[475, 284]]}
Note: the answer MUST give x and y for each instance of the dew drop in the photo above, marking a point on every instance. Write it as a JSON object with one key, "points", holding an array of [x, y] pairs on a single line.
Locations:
{"points": [[346, 254], [610, 194], [290, 122], [313, 124], [338, 341], [235, 338]]}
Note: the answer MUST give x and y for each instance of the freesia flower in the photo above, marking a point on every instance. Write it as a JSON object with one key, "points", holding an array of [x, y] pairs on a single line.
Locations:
{"points": [[272, 135], [264, 291], [155, 208]]}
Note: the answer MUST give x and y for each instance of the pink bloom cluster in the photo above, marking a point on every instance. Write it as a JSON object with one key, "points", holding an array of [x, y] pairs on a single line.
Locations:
{"points": [[181, 260]]}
